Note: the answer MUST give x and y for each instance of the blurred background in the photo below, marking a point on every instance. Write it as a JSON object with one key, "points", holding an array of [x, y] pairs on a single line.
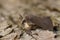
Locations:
{"points": [[12, 13]]}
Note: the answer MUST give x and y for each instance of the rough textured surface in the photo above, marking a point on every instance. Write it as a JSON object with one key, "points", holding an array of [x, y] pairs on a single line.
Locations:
{"points": [[13, 12]]}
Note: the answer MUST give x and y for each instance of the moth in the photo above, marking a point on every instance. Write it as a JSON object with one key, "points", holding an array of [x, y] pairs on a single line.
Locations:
{"points": [[44, 23]]}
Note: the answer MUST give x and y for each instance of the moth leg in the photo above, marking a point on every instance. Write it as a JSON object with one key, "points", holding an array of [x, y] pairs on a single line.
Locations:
{"points": [[23, 21]]}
